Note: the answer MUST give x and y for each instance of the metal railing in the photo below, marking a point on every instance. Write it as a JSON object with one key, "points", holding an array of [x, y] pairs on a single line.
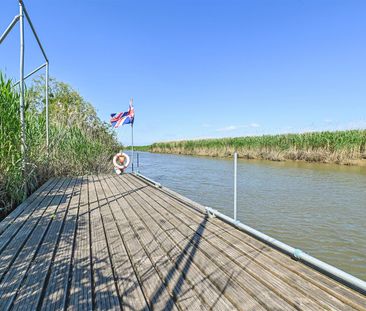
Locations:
{"points": [[295, 253], [20, 18]]}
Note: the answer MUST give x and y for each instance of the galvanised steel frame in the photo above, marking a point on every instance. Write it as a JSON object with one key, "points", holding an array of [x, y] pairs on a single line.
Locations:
{"points": [[20, 18]]}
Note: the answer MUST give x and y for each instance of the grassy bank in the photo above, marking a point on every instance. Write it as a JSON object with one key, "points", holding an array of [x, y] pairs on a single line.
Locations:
{"points": [[80, 142], [141, 148], [342, 147]]}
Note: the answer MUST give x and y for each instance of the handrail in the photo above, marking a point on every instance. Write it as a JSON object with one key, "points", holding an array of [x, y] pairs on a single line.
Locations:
{"points": [[295, 253]]}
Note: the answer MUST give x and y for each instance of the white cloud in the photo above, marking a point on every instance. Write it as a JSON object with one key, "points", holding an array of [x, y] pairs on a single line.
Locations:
{"points": [[236, 127], [228, 128]]}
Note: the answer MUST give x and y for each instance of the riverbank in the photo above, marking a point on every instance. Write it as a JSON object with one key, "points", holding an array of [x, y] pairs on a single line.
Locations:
{"points": [[340, 147]]}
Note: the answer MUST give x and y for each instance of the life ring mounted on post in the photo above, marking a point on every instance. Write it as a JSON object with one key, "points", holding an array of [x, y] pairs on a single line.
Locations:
{"points": [[118, 165]]}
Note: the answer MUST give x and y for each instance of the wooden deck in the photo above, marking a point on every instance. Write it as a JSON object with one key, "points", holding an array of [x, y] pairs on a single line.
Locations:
{"points": [[116, 242]]}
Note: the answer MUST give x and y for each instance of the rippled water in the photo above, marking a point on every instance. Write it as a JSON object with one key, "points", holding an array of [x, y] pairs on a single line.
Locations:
{"points": [[318, 208]]}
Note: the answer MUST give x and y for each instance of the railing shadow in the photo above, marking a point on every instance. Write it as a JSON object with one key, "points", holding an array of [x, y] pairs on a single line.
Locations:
{"points": [[182, 265]]}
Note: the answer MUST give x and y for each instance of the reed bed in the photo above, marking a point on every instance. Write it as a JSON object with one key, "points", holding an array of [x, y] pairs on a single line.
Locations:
{"points": [[80, 143], [342, 147]]}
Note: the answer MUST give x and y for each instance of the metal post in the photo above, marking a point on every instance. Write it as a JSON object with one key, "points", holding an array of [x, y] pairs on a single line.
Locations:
{"points": [[295, 253], [33, 30], [132, 144], [138, 161], [47, 119], [235, 184], [23, 146]]}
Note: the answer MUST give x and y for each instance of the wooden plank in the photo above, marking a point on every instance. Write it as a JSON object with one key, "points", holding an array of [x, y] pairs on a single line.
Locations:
{"points": [[182, 256], [144, 269], [79, 292], [261, 260], [105, 290], [333, 295], [56, 289], [29, 294], [287, 268], [189, 273], [244, 261], [328, 289], [132, 297], [246, 258], [184, 295], [17, 271], [11, 251], [225, 282], [115, 242], [17, 223], [8, 220]]}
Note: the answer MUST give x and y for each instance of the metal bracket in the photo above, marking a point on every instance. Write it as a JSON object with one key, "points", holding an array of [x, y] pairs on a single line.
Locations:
{"points": [[210, 215], [297, 254]]}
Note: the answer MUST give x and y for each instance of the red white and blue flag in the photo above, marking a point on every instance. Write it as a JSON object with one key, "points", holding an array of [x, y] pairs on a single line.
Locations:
{"points": [[121, 118]]}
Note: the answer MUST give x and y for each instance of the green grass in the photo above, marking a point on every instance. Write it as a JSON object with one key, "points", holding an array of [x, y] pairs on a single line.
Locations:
{"points": [[338, 146], [141, 148], [80, 142]]}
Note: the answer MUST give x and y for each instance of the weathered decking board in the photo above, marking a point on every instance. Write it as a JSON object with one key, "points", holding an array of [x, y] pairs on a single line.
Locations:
{"points": [[116, 242]]}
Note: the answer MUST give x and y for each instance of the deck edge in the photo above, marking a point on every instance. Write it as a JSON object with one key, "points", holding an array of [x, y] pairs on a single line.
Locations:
{"points": [[334, 273]]}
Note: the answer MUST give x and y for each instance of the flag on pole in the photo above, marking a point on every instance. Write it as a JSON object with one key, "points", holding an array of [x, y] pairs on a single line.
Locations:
{"points": [[121, 118]]}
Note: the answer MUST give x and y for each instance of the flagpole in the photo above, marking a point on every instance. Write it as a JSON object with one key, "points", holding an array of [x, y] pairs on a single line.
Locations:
{"points": [[131, 103], [132, 144]]}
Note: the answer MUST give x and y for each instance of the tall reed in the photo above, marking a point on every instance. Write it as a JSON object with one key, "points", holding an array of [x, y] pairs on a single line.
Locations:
{"points": [[344, 147], [80, 142]]}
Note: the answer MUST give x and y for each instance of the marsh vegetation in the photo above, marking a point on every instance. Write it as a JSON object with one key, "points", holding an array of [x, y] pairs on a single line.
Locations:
{"points": [[341, 147], [80, 142]]}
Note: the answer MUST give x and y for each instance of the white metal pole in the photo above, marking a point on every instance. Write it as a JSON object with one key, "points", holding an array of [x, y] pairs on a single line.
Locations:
{"points": [[47, 118], [33, 30], [235, 184], [138, 161], [23, 147], [132, 144], [338, 274]]}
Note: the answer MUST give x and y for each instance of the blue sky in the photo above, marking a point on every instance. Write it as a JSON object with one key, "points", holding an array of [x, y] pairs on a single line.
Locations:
{"points": [[205, 68]]}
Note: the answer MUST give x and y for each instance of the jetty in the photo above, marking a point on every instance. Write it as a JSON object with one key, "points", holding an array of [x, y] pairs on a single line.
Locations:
{"points": [[112, 242]]}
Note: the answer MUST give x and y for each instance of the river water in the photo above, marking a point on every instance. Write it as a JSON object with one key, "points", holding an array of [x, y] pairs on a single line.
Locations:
{"points": [[318, 208]]}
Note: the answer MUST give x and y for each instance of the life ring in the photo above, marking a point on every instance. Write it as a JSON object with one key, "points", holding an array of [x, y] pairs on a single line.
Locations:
{"points": [[126, 162]]}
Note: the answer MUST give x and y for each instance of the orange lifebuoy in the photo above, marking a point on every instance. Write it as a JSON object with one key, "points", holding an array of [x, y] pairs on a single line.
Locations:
{"points": [[126, 162]]}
